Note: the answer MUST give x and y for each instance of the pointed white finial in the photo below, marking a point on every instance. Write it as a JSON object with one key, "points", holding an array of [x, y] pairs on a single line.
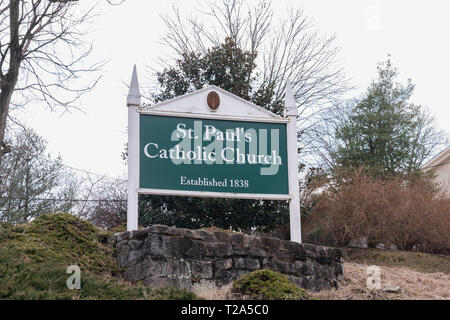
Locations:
{"points": [[134, 97], [289, 104]]}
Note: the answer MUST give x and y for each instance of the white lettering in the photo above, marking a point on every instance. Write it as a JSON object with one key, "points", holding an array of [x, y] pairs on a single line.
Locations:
{"points": [[181, 128], [146, 150]]}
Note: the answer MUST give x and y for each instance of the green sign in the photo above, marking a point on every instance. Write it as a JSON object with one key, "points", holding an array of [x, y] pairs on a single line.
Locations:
{"points": [[192, 154]]}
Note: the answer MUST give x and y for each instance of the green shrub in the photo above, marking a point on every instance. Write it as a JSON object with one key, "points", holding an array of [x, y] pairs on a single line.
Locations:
{"points": [[268, 285]]}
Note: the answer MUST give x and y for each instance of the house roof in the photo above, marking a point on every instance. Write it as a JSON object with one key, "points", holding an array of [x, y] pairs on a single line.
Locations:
{"points": [[195, 103], [442, 158]]}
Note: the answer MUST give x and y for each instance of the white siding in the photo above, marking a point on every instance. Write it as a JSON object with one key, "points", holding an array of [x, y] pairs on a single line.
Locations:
{"points": [[443, 176]]}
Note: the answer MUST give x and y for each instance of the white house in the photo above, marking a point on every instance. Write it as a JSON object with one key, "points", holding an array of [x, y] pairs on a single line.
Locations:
{"points": [[440, 166]]}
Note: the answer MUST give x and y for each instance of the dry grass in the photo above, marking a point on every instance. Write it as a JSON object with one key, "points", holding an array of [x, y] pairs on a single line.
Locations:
{"points": [[418, 261], [414, 285], [222, 293]]}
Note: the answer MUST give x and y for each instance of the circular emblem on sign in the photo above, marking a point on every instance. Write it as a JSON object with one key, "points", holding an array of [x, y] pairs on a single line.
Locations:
{"points": [[213, 101]]}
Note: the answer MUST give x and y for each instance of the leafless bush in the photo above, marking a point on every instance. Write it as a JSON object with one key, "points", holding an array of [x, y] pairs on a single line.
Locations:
{"points": [[109, 208], [412, 214]]}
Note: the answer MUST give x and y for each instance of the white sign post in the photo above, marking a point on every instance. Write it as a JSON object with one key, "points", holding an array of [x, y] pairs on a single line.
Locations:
{"points": [[133, 103], [194, 105], [291, 112]]}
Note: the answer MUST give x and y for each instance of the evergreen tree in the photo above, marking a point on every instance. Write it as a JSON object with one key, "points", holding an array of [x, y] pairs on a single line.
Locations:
{"points": [[226, 66], [384, 131]]}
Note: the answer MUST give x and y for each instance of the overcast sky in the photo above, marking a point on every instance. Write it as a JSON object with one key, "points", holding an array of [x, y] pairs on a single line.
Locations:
{"points": [[415, 33]]}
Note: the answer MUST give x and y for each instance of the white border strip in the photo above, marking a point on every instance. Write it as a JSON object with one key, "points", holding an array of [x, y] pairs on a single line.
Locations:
{"points": [[210, 116], [207, 194]]}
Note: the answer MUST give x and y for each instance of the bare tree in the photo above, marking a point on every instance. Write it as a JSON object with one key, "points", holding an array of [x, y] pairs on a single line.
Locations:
{"points": [[321, 138], [109, 210], [42, 53], [288, 50]]}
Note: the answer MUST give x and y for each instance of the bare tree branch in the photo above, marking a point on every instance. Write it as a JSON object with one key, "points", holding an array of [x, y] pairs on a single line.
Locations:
{"points": [[288, 50], [43, 54]]}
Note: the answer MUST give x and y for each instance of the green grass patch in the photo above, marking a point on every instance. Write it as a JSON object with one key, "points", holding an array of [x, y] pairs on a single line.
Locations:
{"points": [[34, 259], [268, 285], [418, 261]]}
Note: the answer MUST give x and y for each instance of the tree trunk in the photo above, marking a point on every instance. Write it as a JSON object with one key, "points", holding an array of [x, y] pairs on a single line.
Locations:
{"points": [[8, 81]]}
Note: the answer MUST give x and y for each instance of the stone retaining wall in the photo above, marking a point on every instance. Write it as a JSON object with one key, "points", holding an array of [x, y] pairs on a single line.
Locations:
{"points": [[165, 256]]}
